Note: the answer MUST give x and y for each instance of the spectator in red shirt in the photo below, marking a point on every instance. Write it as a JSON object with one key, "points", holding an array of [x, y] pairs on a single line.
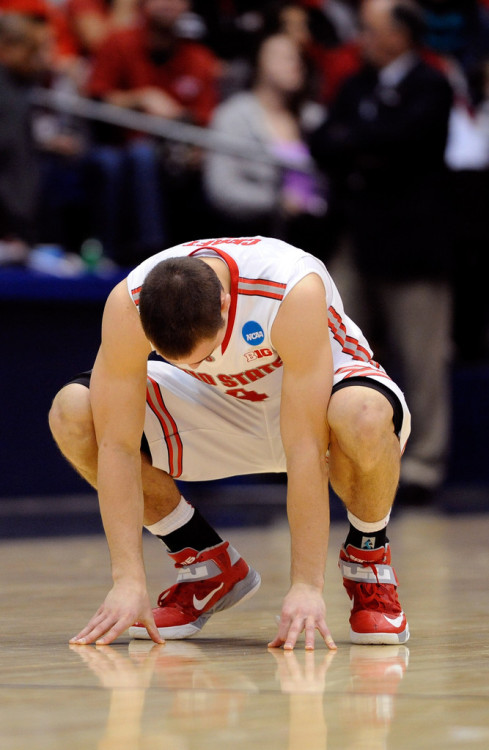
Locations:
{"points": [[149, 68], [44, 10], [91, 21]]}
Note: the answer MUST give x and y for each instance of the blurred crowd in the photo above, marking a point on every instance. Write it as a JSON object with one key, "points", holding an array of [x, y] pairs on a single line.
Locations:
{"points": [[367, 129], [268, 72]]}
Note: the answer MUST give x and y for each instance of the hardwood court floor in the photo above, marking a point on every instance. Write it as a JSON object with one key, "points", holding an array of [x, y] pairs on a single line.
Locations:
{"points": [[224, 690]]}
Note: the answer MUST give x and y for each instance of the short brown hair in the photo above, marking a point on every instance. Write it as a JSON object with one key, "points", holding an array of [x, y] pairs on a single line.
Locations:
{"points": [[408, 16], [180, 305]]}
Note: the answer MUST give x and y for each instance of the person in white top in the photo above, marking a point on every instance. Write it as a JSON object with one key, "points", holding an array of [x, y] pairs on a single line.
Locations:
{"points": [[259, 370]]}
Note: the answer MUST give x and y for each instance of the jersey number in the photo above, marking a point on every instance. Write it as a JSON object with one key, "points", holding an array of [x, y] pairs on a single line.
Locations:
{"points": [[246, 395]]}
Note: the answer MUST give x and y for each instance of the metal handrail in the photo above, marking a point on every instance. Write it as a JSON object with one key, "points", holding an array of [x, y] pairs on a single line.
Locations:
{"points": [[172, 130]]}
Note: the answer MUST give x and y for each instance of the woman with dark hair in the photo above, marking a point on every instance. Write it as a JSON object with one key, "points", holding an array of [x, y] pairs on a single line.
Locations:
{"points": [[254, 196]]}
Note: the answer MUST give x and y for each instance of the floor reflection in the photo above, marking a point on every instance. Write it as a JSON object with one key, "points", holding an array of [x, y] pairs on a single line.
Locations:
{"points": [[367, 706], [183, 695]]}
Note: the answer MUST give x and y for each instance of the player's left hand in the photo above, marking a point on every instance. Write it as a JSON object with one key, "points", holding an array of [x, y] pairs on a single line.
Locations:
{"points": [[303, 610], [124, 605]]}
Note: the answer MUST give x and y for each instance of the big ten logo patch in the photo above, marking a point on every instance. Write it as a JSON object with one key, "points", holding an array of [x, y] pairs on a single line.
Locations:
{"points": [[258, 354], [252, 333]]}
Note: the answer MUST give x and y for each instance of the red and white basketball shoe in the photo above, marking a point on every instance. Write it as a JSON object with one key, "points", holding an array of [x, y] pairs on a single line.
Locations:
{"points": [[371, 582], [209, 581]]}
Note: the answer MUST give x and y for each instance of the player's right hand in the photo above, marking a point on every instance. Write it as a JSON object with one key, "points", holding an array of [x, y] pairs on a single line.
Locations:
{"points": [[125, 604]]}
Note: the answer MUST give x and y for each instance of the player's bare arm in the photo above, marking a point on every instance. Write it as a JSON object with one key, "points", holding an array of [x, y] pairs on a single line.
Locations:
{"points": [[307, 381], [117, 394]]}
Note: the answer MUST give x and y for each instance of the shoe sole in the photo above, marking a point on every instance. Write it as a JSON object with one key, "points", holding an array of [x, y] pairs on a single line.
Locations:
{"points": [[240, 592], [379, 639]]}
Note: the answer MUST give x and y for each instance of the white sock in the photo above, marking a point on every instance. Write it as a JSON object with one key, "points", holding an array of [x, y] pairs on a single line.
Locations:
{"points": [[368, 528], [175, 520]]}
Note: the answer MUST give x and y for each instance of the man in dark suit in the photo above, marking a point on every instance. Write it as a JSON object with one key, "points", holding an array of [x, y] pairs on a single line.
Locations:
{"points": [[383, 147]]}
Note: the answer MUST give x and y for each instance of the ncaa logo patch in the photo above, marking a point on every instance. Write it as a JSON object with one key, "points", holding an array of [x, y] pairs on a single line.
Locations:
{"points": [[252, 333]]}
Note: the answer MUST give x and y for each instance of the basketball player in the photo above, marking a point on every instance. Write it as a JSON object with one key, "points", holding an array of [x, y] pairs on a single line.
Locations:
{"points": [[263, 372]]}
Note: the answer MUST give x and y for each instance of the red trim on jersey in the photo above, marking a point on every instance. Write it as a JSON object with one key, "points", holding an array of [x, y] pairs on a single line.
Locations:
{"points": [[175, 456], [234, 271], [349, 344], [272, 293], [357, 371], [135, 294], [266, 282], [249, 293], [358, 347]]}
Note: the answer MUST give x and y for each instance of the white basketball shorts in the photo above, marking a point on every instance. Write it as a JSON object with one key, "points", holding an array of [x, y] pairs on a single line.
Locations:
{"points": [[197, 433]]}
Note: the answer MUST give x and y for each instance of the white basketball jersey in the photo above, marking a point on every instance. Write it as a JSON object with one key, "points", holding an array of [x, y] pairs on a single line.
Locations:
{"points": [[263, 271]]}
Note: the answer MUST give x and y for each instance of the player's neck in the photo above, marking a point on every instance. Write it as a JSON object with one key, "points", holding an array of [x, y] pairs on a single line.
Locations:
{"points": [[221, 270]]}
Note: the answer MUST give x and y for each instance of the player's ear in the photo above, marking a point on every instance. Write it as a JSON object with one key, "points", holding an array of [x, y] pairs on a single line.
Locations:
{"points": [[225, 302]]}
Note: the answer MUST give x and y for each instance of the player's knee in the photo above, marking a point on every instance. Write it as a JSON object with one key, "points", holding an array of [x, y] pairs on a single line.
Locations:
{"points": [[362, 424], [70, 416]]}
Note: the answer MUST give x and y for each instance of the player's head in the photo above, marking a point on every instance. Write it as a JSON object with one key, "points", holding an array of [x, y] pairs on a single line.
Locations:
{"points": [[181, 306]]}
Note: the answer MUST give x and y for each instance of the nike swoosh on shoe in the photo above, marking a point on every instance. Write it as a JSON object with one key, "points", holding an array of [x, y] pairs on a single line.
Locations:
{"points": [[200, 603], [395, 621]]}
